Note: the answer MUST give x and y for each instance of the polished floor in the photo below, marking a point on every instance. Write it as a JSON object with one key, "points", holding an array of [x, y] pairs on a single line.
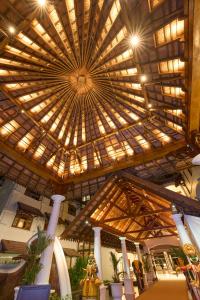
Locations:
{"points": [[169, 287]]}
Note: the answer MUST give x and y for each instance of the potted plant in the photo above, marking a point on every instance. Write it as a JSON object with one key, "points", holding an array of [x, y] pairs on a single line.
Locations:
{"points": [[116, 285], [77, 272], [32, 258], [147, 269]]}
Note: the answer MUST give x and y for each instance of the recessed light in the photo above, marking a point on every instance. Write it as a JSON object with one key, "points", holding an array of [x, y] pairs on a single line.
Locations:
{"points": [[22, 111], [143, 78], [11, 29], [149, 105], [41, 2], [135, 41]]}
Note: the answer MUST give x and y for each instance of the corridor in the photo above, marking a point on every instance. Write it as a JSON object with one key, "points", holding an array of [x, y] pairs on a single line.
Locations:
{"points": [[166, 289]]}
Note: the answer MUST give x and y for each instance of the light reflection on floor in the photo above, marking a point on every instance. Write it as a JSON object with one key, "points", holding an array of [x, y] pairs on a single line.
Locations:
{"points": [[162, 276], [170, 276]]}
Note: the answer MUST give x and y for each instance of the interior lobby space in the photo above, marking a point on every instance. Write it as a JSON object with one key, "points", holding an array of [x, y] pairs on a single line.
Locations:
{"points": [[99, 149]]}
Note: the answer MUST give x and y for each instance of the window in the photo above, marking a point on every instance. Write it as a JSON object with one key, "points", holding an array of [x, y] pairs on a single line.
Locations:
{"points": [[23, 221], [71, 210], [86, 198], [32, 194]]}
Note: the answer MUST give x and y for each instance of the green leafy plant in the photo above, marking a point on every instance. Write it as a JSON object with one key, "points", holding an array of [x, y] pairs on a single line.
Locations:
{"points": [[115, 262], [106, 282], [178, 252], [77, 272], [32, 257], [145, 260], [55, 296]]}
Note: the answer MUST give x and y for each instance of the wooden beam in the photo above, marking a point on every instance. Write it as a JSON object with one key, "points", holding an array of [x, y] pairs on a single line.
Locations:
{"points": [[190, 205], [133, 216], [194, 66], [129, 162], [152, 229], [26, 162], [152, 237], [111, 229], [24, 24]]}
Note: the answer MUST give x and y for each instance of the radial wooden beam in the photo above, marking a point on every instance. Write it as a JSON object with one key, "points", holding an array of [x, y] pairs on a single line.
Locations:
{"points": [[25, 23], [27, 163], [130, 162]]}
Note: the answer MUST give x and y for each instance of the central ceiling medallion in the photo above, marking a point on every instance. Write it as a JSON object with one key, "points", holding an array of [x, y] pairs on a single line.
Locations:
{"points": [[81, 81]]}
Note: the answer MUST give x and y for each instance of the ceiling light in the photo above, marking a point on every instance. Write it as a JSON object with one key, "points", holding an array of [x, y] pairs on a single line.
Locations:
{"points": [[143, 78], [140, 123], [149, 105], [22, 111], [135, 40], [11, 29], [41, 2]]}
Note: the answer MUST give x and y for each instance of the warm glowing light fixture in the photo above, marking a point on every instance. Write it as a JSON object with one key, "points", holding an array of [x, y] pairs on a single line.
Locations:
{"points": [[41, 2], [149, 105], [11, 29], [135, 41], [143, 78]]}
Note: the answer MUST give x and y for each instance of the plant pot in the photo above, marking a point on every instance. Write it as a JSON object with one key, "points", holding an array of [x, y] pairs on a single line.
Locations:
{"points": [[116, 290], [150, 277]]}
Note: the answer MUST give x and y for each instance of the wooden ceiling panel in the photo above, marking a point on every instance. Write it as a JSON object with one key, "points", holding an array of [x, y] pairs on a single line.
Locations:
{"points": [[151, 217], [74, 98]]}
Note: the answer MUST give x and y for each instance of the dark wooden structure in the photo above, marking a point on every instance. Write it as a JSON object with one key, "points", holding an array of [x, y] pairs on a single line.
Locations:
{"points": [[79, 100], [132, 207]]}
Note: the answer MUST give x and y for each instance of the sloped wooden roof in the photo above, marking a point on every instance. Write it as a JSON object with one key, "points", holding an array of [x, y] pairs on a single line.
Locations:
{"points": [[27, 209], [73, 96], [13, 247], [71, 252], [132, 207]]}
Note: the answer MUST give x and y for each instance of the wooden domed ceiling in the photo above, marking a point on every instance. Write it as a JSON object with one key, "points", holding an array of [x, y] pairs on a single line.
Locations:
{"points": [[90, 85]]}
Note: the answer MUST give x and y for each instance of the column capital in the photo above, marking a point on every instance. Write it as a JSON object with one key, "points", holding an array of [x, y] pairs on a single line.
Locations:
{"points": [[122, 238], [57, 198], [137, 244], [97, 229]]}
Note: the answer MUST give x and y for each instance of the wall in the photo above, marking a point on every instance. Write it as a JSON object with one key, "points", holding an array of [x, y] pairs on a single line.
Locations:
{"points": [[172, 240], [8, 214], [107, 268], [191, 188]]}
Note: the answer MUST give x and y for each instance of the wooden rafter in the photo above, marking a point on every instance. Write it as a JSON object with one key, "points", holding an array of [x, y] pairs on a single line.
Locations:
{"points": [[150, 223]]}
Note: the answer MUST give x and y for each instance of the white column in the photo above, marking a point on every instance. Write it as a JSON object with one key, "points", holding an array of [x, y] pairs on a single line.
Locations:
{"points": [[46, 257], [139, 255], [137, 245], [128, 282], [125, 256], [98, 258], [183, 235], [97, 250], [150, 261], [193, 223]]}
